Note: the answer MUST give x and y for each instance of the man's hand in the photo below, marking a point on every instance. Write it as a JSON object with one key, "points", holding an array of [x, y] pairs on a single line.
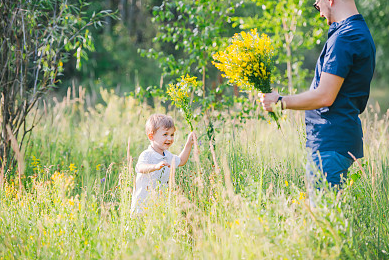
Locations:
{"points": [[160, 165], [268, 100]]}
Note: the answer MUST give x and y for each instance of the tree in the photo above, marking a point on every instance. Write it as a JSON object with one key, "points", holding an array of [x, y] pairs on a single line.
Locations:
{"points": [[37, 37]]}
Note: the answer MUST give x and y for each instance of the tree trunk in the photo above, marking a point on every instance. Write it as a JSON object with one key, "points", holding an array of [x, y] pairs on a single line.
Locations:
{"points": [[122, 10], [289, 68], [108, 20], [288, 40], [131, 18]]}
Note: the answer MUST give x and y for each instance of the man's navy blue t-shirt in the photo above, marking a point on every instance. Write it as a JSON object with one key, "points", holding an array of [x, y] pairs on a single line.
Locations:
{"points": [[348, 53]]}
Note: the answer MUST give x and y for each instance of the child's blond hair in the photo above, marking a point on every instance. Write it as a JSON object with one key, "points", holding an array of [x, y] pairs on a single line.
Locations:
{"points": [[157, 121]]}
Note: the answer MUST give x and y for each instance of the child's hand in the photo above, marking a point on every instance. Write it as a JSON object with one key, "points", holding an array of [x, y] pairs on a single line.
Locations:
{"points": [[191, 138], [160, 165]]}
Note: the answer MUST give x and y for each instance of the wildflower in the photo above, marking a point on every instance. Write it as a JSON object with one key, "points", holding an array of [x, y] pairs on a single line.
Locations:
{"points": [[98, 167], [71, 202], [35, 163], [72, 167], [248, 55], [102, 180], [248, 62], [302, 196], [179, 94], [286, 183]]}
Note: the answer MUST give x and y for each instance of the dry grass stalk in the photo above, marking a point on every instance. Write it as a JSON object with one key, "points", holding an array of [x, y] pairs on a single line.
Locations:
{"points": [[2, 175], [19, 155], [196, 152], [2, 162], [198, 180], [129, 161], [227, 178], [359, 165], [68, 96], [172, 177], [217, 169], [128, 149]]}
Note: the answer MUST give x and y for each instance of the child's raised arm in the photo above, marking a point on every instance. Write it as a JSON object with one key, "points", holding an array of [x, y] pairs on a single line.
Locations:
{"points": [[147, 168], [184, 155]]}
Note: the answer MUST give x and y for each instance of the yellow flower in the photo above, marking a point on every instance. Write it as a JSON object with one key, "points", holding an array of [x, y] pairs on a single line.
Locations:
{"points": [[72, 167], [71, 202], [247, 61], [286, 183], [98, 167], [179, 94], [302, 196]]}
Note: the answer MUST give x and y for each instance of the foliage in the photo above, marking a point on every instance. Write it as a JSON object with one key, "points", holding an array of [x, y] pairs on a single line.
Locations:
{"points": [[36, 40], [115, 63], [194, 28]]}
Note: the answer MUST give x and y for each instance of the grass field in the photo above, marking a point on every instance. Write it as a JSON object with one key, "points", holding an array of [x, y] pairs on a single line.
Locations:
{"points": [[251, 203]]}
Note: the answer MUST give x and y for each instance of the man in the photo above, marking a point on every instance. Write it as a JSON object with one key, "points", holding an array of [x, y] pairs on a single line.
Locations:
{"points": [[338, 93]]}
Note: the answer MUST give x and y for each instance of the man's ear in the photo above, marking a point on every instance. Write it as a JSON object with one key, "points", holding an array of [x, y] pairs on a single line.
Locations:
{"points": [[150, 136]]}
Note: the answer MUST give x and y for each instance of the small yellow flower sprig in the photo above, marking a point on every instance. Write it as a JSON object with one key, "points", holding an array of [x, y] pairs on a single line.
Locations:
{"points": [[179, 94], [248, 61]]}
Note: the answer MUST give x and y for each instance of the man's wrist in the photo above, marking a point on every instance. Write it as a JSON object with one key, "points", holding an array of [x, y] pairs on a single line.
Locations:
{"points": [[280, 100]]}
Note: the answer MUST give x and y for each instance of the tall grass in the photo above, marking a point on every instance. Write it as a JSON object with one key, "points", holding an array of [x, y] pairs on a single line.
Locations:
{"points": [[251, 203]]}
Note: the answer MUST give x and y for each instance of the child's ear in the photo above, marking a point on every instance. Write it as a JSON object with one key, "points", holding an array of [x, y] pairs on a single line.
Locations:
{"points": [[150, 136]]}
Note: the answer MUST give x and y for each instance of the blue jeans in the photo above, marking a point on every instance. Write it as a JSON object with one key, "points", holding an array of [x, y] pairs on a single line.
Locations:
{"points": [[333, 165]]}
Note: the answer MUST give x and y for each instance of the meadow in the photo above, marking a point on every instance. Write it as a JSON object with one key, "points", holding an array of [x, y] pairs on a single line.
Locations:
{"points": [[245, 199]]}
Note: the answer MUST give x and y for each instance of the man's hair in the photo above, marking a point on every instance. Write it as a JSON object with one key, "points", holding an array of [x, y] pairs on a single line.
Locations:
{"points": [[157, 121]]}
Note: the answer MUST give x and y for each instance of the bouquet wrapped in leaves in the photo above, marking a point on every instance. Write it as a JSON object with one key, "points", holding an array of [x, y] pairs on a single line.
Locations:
{"points": [[248, 62]]}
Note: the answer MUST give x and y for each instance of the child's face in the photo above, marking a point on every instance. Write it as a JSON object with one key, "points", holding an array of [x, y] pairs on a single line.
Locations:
{"points": [[162, 139]]}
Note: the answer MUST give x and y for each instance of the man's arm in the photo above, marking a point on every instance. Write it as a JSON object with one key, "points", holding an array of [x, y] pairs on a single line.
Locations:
{"points": [[323, 96]]}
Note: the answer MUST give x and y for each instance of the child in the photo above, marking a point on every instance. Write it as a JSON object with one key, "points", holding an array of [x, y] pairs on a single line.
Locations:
{"points": [[153, 164]]}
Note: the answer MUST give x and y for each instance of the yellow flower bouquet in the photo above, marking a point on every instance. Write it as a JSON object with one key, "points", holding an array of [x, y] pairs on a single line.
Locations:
{"points": [[248, 62]]}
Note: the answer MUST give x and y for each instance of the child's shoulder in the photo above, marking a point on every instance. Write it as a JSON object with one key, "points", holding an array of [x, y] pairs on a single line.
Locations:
{"points": [[147, 152]]}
